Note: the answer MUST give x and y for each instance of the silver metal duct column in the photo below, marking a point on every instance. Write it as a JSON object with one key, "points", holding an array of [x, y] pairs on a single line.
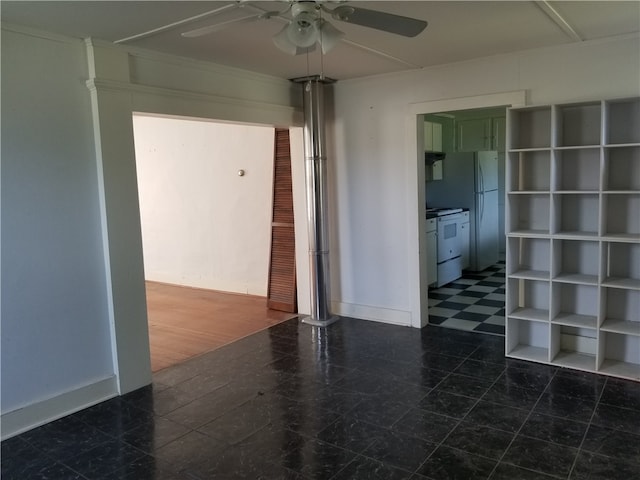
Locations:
{"points": [[316, 187]]}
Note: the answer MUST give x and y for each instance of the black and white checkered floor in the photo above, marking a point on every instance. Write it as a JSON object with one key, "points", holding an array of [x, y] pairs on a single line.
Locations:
{"points": [[474, 302]]}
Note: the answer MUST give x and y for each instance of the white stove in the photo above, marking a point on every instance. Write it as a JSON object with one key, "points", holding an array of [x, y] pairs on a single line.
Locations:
{"points": [[438, 212], [449, 243]]}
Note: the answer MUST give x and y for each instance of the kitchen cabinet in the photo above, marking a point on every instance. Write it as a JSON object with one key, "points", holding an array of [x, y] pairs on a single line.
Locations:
{"points": [[498, 133], [433, 143], [465, 240], [477, 134], [432, 252], [474, 134], [432, 137], [573, 236]]}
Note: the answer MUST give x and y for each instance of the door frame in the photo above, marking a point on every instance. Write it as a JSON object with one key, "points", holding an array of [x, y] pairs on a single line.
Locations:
{"points": [[416, 186], [114, 99]]}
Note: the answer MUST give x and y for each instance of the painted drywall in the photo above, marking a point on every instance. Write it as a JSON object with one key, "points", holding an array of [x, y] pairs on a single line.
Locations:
{"points": [[203, 225], [374, 173], [73, 308], [372, 189], [55, 327], [208, 91], [113, 71]]}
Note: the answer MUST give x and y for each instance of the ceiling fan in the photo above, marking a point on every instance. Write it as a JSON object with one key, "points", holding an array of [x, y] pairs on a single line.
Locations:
{"points": [[307, 26]]}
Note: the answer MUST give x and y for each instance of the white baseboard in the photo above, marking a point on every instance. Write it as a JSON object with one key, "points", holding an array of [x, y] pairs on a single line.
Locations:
{"points": [[32, 416], [376, 314]]}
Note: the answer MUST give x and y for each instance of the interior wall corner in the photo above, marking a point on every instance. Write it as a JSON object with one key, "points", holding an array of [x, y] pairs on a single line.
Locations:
{"points": [[120, 217], [107, 61]]}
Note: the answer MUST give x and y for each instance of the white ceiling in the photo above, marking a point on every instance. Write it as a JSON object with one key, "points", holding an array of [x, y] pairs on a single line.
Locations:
{"points": [[457, 31]]}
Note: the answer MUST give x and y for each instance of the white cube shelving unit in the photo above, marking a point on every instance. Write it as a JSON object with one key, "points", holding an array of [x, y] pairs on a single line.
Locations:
{"points": [[573, 228]]}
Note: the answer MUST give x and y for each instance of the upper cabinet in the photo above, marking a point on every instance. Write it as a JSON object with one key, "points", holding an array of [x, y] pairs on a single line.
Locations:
{"points": [[486, 132], [438, 132], [432, 137], [498, 132], [474, 135], [438, 137]]}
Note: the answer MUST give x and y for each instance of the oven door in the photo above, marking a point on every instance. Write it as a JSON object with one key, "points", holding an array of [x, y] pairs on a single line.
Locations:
{"points": [[449, 239]]}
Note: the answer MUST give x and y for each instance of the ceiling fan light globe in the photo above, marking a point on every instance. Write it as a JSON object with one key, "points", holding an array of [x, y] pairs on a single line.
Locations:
{"points": [[330, 36], [302, 34], [282, 41]]}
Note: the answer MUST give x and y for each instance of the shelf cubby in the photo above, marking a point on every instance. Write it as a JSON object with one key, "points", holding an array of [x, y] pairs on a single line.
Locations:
{"points": [[622, 218], [620, 355], [576, 215], [528, 214], [573, 347], [576, 261], [622, 268], [529, 258], [573, 236], [579, 124], [528, 299], [529, 171], [574, 305], [621, 311], [622, 121], [622, 169], [533, 128], [577, 170], [528, 340]]}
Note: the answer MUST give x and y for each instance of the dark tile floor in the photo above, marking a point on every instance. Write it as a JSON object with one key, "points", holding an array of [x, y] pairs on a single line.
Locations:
{"points": [[474, 302], [359, 400]]}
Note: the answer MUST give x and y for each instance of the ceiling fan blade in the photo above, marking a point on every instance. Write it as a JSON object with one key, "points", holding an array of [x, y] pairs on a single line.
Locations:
{"points": [[387, 22], [216, 27], [200, 16]]}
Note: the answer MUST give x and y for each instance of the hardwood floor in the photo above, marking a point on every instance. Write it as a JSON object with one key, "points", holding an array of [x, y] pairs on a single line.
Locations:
{"points": [[185, 322]]}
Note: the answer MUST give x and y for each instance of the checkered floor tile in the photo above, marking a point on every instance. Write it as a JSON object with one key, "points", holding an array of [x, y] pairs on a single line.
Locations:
{"points": [[474, 302]]}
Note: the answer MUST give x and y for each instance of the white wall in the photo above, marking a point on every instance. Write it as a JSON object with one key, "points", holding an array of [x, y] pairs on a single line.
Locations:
{"points": [[55, 311], [203, 225], [55, 327], [74, 327], [374, 175]]}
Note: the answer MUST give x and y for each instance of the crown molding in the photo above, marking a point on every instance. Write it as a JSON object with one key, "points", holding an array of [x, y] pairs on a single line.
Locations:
{"points": [[97, 85]]}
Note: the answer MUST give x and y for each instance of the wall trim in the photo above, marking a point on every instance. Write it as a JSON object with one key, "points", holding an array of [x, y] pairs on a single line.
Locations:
{"points": [[376, 314], [202, 65], [416, 248], [187, 62], [45, 411], [115, 99], [515, 98], [116, 86]]}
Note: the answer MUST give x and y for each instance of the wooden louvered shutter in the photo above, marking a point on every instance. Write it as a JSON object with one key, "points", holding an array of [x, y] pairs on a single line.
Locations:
{"points": [[282, 293]]}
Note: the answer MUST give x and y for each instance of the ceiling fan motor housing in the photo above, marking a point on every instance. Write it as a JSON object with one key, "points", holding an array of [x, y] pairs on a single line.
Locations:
{"points": [[304, 12], [303, 29]]}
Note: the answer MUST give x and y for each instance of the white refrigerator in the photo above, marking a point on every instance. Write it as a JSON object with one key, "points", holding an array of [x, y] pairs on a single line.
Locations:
{"points": [[470, 180]]}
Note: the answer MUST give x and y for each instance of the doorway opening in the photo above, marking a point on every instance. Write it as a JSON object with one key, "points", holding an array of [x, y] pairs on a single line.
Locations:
{"points": [[205, 192], [474, 106], [464, 192]]}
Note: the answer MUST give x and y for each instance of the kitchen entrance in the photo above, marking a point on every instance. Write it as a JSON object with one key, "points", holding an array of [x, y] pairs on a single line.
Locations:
{"points": [[464, 209]]}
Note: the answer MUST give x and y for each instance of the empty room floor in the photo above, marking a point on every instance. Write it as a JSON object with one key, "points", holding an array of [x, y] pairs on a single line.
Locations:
{"points": [[357, 400], [185, 321]]}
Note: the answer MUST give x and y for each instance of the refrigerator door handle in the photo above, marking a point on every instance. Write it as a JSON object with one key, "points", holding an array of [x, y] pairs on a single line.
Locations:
{"points": [[481, 207], [481, 177]]}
